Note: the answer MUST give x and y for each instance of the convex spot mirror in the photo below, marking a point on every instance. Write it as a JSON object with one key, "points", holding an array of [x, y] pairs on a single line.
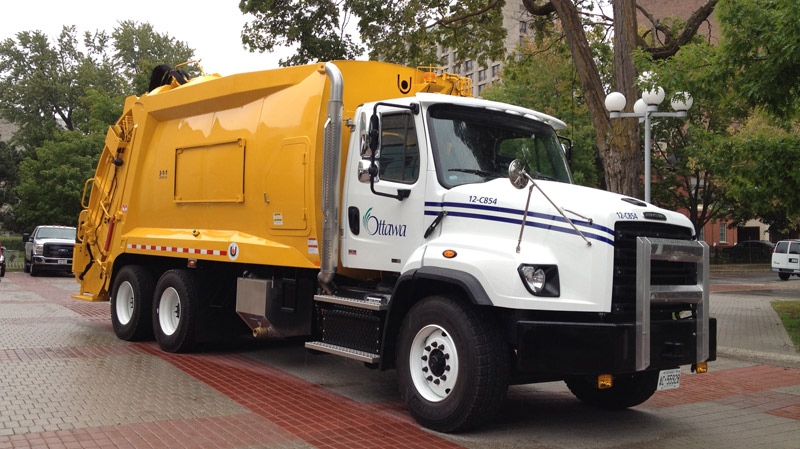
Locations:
{"points": [[517, 174]]}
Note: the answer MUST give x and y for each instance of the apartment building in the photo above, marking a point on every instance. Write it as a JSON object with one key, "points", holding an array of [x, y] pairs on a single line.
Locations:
{"points": [[515, 20]]}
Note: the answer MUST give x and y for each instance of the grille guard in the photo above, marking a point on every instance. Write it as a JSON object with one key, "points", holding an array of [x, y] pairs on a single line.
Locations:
{"points": [[670, 250]]}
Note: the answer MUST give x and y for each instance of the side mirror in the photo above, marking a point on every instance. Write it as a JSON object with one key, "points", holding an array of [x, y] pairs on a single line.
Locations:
{"points": [[25, 237], [517, 175], [374, 133], [566, 147]]}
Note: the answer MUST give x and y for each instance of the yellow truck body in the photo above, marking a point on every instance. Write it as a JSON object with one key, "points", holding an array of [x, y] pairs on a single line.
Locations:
{"points": [[225, 168]]}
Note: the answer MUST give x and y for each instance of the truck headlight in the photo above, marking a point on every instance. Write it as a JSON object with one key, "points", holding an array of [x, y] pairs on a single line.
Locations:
{"points": [[38, 248], [540, 280]]}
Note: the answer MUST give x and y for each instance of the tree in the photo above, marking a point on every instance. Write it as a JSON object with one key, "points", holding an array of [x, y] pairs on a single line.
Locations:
{"points": [[408, 33], [690, 165], [138, 48], [761, 46], [51, 183], [765, 179], [37, 89], [63, 96]]}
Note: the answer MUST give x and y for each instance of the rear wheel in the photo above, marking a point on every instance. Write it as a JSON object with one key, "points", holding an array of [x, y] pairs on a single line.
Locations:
{"points": [[452, 364], [784, 276], [629, 390], [175, 311], [131, 303]]}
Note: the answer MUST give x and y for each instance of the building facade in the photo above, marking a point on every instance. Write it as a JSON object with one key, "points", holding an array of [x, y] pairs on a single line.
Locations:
{"points": [[515, 21]]}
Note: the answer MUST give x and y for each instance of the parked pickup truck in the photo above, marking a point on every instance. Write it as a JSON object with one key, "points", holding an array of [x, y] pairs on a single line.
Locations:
{"points": [[49, 248], [786, 259]]}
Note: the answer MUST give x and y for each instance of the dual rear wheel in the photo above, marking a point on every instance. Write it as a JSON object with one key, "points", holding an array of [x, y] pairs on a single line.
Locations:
{"points": [[142, 308]]}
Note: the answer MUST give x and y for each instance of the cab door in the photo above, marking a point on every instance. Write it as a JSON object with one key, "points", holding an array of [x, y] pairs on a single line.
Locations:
{"points": [[382, 217]]}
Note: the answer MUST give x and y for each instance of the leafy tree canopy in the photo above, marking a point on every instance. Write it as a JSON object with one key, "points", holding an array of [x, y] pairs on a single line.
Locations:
{"points": [[63, 95], [409, 32], [51, 184], [761, 45]]}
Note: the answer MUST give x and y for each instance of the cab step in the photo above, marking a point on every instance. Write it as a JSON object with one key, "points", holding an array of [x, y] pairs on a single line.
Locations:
{"points": [[355, 354], [367, 302], [350, 323]]}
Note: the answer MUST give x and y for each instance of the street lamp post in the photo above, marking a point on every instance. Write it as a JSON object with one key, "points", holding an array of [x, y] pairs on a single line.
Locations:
{"points": [[645, 109]]}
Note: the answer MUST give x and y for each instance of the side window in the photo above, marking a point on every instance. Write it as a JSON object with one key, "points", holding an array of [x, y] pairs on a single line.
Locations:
{"points": [[399, 153], [782, 247], [794, 248]]}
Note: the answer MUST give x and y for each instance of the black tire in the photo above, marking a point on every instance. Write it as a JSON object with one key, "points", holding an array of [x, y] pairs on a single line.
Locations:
{"points": [[175, 311], [26, 266], [33, 270], [784, 276], [460, 385], [629, 390], [132, 303]]}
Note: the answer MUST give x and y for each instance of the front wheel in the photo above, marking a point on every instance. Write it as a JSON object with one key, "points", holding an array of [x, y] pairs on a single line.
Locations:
{"points": [[175, 311], [629, 390], [131, 303], [453, 366]]}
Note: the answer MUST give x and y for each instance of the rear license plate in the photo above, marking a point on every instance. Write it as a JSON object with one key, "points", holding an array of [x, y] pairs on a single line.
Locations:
{"points": [[669, 379]]}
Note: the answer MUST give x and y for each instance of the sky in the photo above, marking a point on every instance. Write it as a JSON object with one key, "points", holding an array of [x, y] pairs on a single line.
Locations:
{"points": [[211, 27]]}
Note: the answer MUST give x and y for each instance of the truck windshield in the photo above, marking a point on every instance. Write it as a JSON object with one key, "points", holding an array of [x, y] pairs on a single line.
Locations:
{"points": [[473, 145], [56, 233]]}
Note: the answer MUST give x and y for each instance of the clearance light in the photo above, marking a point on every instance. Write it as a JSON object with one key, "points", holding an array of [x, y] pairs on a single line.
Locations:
{"points": [[429, 77], [191, 263], [700, 368], [605, 381], [449, 253]]}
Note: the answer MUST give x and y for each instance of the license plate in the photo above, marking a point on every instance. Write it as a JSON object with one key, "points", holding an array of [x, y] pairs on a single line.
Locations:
{"points": [[669, 379], [62, 261]]}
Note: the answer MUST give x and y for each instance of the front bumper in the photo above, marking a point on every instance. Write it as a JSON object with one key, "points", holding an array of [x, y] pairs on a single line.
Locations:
{"points": [[52, 263], [563, 348]]}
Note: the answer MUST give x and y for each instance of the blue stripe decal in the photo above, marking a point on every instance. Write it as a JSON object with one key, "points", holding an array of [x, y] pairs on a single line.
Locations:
{"points": [[583, 223], [514, 221]]}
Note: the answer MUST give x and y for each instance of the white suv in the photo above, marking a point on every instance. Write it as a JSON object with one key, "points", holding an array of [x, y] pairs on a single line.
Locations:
{"points": [[786, 259]]}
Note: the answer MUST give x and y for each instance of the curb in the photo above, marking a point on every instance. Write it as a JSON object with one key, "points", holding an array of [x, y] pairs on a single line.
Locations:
{"points": [[764, 358]]}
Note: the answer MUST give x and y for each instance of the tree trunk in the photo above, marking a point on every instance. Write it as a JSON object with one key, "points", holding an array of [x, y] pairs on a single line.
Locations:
{"points": [[618, 139]]}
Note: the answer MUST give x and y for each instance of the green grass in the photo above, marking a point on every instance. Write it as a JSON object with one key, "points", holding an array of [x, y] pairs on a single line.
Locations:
{"points": [[789, 311]]}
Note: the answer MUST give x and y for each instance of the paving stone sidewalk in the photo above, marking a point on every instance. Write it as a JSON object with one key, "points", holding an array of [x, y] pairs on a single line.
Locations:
{"points": [[67, 382]]}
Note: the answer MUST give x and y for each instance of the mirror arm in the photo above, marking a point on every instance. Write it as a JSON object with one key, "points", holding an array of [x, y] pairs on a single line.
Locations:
{"points": [[374, 133]]}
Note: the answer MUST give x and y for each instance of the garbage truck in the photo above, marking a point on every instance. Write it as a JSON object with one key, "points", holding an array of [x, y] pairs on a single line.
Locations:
{"points": [[382, 214]]}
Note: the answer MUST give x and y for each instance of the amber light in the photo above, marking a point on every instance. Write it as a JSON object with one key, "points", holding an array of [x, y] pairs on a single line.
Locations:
{"points": [[429, 77], [605, 381], [449, 254], [700, 368]]}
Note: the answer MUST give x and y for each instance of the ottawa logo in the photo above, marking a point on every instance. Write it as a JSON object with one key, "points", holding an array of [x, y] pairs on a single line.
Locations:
{"points": [[376, 226]]}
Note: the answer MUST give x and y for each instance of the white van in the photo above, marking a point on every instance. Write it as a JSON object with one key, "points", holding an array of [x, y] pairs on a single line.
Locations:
{"points": [[786, 259]]}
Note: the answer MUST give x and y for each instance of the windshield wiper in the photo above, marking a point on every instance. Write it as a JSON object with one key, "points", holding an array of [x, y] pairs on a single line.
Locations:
{"points": [[538, 175], [475, 171]]}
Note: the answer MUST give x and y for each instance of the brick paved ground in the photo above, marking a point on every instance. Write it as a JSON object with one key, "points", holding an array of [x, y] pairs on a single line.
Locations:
{"points": [[67, 382]]}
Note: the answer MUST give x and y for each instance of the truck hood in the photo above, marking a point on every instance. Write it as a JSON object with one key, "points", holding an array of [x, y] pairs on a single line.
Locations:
{"points": [[593, 211]]}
